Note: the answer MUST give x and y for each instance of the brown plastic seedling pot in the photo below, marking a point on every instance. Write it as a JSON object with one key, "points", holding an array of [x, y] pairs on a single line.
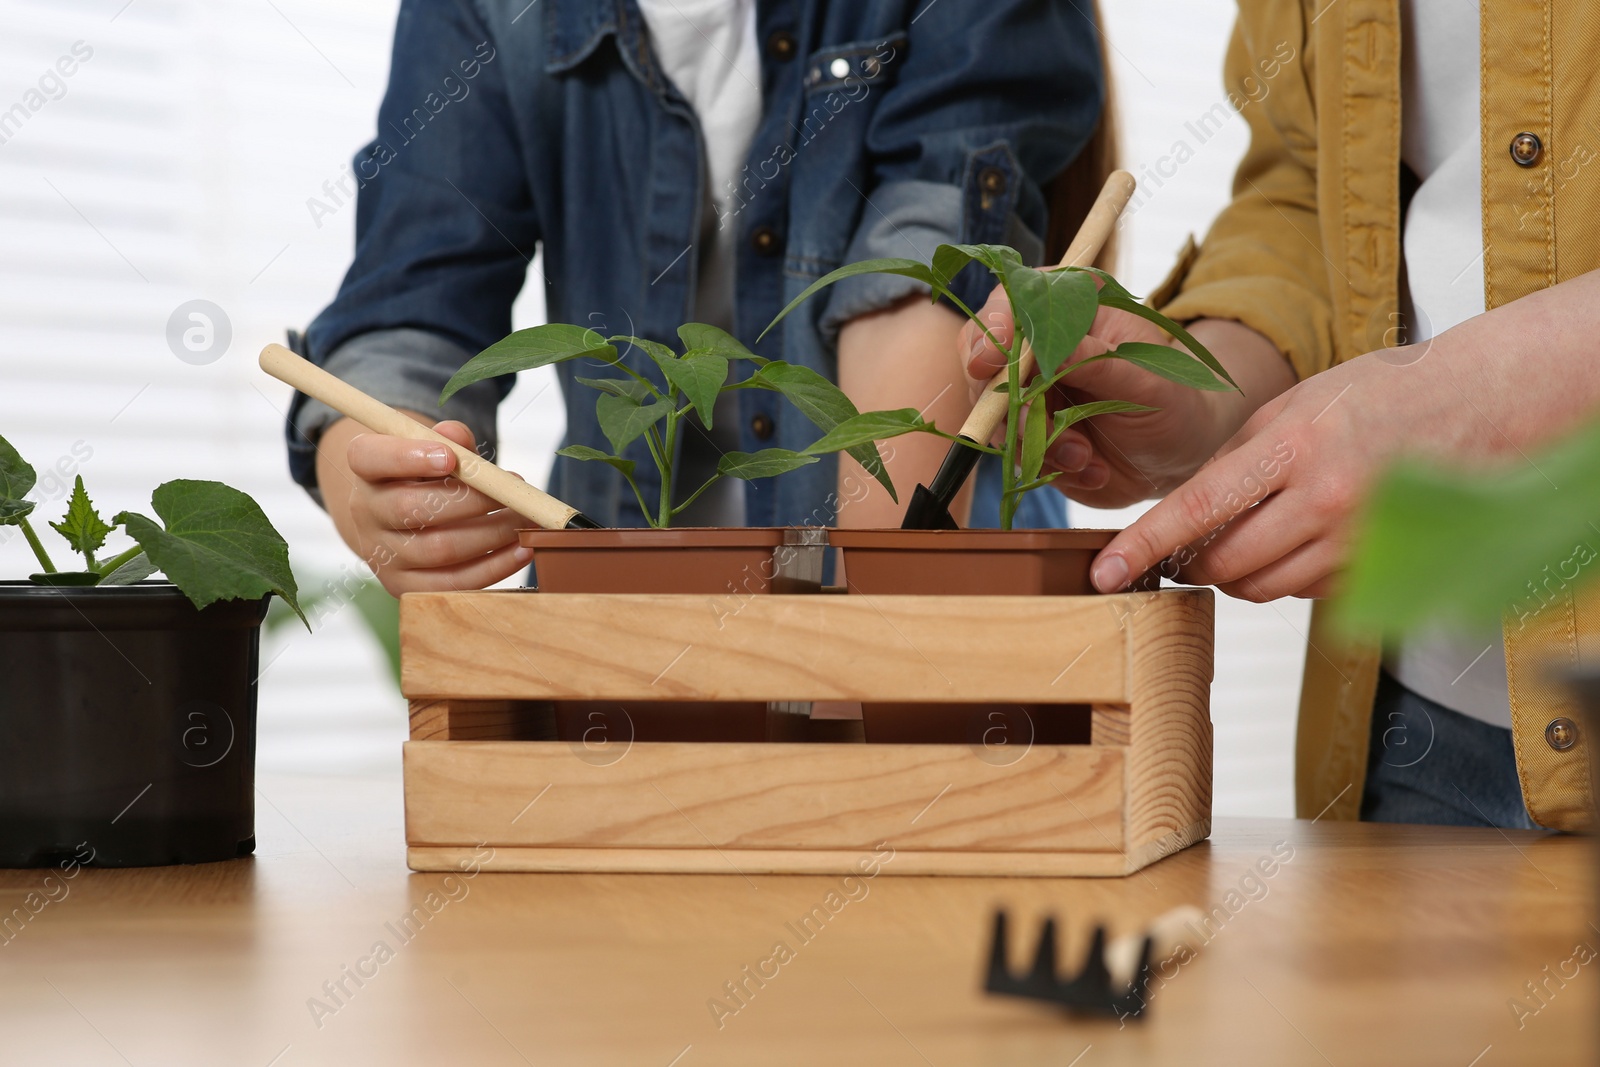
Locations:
{"points": [[970, 562], [712, 561]]}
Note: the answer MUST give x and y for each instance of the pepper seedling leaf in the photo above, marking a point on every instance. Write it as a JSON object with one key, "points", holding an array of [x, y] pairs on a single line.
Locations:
{"points": [[17, 477], [950, 260], [82, 526], [1065, 417], [1113, 295], [1034, 433], [659, 353], [698, 336], [908, 268], [1166, 362], [1054, 310], [584, 452], [623, 419], [217, 544], [868, 427], [1467, 549], [538, 346], [825, 405], [763, 464], [700, 376], [632, 388]]}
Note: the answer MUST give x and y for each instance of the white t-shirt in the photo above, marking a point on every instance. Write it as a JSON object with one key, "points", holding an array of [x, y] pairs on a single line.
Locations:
{"points": [[1442, 142], [709, 51]]}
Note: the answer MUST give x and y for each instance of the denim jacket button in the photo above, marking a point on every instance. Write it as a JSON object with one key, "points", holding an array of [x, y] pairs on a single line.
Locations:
{"points": [[781, 46], [761, 426], [992, 180], [765, 241]]}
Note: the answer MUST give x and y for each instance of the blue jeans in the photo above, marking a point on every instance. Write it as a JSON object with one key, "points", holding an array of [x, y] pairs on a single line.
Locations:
{"points": [[1428, 764]]}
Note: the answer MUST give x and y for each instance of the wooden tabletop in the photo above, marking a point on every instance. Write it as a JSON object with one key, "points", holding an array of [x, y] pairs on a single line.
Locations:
{"points": [[1364, 945]]}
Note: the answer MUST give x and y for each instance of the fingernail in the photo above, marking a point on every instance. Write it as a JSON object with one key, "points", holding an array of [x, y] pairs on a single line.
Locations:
{"points": [[975, 349], [1110, 574], [439, 459], [1070, 456]]}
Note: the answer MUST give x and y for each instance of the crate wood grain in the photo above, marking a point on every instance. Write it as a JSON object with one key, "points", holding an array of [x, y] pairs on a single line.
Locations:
{"points": [[480, 669]]}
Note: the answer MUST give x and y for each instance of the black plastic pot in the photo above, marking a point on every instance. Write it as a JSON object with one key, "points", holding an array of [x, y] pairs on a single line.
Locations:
{"points": [[127, 726]]}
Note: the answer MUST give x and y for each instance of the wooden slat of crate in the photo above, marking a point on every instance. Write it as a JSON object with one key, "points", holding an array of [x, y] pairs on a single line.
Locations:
{"points": [[497, 645], [771, 861], [737, 796]]}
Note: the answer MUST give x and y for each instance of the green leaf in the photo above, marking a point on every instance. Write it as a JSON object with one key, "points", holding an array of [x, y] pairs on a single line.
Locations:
{"points": [[825, 405], [632, 388], [700, 376], [217, 544], [538, 346], [1165, 361], [1065, 417], [1033, 442], [623, 419], [1466, 549], [1054, 310], [1113, 295], [764, 464], [663, 356], [136, 569], [17, 477], [697, 336], [83, 527], [584, 452], [908, 268], [868, 427], [949, 260]]}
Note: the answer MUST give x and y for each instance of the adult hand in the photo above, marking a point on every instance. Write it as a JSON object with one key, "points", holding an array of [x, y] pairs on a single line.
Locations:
{"points": [[1271, 515], [1115, 460], [394, 502]]}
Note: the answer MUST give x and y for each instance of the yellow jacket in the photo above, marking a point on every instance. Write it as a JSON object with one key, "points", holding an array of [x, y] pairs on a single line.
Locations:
{"points": [[1308, 253]]}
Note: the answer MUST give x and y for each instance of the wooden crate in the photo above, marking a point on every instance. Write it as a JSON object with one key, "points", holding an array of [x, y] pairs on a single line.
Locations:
{"points": [[480, 768]]}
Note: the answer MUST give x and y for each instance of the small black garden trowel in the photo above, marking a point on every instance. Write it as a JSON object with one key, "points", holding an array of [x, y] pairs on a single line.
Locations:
{"points": [[930, 504]]}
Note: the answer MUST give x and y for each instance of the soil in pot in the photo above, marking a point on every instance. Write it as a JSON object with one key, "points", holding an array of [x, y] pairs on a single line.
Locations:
{"points": [[717, 562], [127, 726], [970, 562]]}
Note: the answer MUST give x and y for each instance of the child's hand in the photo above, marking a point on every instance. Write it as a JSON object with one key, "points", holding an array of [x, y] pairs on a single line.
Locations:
{"points": [[419, 529], [1112, 461]]}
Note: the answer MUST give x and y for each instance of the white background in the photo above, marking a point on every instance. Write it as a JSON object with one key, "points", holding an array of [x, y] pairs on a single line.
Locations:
{"points": [[178, 164]]}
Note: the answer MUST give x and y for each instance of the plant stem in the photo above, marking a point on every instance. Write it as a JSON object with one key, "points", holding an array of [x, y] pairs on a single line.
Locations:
{"points": [[668, 457], [107, 566], [38, 549], [1008, 468]]}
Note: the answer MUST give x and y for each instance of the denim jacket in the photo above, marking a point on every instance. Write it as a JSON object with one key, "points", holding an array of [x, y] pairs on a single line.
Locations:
{"points": [[888, 127]]}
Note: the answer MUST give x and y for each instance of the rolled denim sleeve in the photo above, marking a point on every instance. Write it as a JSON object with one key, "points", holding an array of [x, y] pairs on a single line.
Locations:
{"points": [[405, 369], [446, 225], [908, 220], [985, 107]]}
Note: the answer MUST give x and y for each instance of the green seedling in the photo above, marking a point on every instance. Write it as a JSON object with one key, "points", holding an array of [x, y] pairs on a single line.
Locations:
{"points": [[1053, 311], [213, 542], [636, 405]]}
